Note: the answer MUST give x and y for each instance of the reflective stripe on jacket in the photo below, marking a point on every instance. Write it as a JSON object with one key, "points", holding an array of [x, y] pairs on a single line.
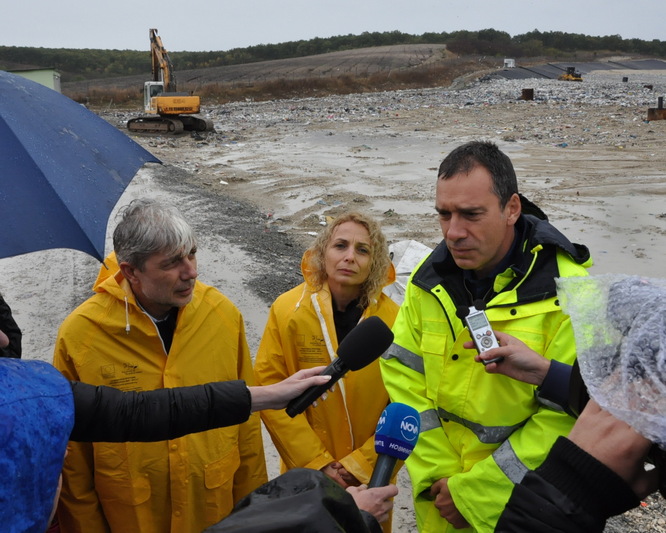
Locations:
{"points": [[180, 485], [481, 431]]}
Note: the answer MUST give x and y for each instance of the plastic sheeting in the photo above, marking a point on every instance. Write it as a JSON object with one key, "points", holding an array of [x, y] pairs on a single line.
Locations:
{"points": [[619, 324], [406, 255]]}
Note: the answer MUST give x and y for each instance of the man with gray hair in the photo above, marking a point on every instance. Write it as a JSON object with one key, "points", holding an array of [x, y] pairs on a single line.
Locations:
{"points": [[150, 325]]}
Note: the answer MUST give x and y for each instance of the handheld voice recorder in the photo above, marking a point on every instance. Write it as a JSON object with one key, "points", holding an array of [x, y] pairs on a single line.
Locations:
{"points": [[481, 332]]}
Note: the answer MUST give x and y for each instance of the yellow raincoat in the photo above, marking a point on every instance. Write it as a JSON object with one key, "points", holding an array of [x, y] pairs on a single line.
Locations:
{"points": [[178, 486], [300, 333]]}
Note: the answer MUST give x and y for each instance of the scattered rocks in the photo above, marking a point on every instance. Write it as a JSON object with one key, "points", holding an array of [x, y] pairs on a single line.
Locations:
{"points": [[583, 150]]}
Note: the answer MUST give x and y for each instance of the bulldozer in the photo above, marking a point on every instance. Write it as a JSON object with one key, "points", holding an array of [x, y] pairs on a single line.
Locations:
{"points": [[571, 74], [167, 111]]}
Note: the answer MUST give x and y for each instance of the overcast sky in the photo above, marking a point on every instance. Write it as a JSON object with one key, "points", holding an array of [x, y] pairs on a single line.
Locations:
{"points": [[222, 25]]}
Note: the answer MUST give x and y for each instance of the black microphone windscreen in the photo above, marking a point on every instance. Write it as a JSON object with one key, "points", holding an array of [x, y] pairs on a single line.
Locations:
{"points": [[462, 311], [479, 304], [365, 343]]}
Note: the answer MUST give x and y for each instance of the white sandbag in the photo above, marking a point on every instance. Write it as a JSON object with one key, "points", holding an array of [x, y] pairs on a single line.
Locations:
{"points": [[405, 256]]}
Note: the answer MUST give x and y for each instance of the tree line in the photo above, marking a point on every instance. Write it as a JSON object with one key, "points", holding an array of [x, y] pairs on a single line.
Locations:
{"points": [[85, 64]]}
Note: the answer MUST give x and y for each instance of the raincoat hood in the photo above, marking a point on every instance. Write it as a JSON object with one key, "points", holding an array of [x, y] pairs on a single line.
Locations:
{"points": [[107, 269], [36, 418]]}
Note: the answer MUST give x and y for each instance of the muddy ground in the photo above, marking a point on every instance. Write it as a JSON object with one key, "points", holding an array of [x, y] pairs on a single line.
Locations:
{"points": [[259, 187]]}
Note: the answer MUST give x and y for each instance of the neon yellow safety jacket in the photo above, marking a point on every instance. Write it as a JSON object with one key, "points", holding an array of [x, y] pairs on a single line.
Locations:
{"points": [[481, 431], [181, 485]]}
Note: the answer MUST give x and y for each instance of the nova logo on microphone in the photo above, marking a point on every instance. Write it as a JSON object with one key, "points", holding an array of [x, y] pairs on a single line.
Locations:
{"points": [[395, 437], [397, 430], [409, 428]]}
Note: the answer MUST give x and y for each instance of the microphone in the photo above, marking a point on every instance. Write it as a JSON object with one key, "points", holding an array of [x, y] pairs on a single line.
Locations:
{"points": [[462, 311], [395, 437], [362, 345]]}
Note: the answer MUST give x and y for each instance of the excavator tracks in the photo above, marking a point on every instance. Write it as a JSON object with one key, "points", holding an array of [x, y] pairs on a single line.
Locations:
{"points": [[169, 125]]}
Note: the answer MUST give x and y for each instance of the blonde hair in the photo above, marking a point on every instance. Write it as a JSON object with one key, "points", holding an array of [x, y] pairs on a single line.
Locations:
{"points": [[379, 264]]}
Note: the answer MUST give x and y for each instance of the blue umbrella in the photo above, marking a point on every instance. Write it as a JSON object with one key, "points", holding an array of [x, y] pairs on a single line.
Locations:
{"points": [[62, 170]]}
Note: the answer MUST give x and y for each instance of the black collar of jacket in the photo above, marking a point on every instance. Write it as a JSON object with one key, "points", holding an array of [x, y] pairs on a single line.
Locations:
{"points": [[440, 268]]}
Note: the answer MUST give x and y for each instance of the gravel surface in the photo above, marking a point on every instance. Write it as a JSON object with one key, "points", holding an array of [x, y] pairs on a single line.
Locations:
{"points": [[258, 189], [256, 156]]}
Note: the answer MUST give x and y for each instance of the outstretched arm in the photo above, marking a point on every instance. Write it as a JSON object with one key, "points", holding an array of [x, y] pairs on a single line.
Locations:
{"points": [[519, 361], [105, 414], [278, 395], [615, 444], [595, 473]]}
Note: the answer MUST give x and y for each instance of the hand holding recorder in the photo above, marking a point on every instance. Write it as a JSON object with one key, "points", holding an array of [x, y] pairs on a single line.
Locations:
{"points": [[477, 323]]}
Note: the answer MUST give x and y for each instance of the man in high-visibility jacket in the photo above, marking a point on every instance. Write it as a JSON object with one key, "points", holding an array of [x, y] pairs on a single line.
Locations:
{"points": [[480, 433]]}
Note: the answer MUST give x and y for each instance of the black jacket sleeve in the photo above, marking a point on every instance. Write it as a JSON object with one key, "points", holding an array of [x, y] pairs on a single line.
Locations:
{"points": [[9, 326], [105, 414], [571, 492], [555, 386]]}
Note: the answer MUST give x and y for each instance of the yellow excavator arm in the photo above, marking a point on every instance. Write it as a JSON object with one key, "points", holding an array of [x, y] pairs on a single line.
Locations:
{"points": [[161, 63], [167, 111]]}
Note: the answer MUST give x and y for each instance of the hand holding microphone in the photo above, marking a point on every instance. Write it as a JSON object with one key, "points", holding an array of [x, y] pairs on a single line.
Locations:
{"points": [[365, 343], [395, 437]]}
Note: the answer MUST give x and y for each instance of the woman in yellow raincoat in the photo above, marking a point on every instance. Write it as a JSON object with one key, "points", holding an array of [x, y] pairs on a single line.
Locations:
{"points": [[345, 271]]}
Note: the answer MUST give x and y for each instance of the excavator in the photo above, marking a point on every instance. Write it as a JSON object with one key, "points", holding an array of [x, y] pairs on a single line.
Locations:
{"points": [[168, 111]]}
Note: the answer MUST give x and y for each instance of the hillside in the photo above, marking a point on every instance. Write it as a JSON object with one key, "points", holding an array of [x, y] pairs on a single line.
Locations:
{"points": [[358, 62], [383, 67], [380, 68]]}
